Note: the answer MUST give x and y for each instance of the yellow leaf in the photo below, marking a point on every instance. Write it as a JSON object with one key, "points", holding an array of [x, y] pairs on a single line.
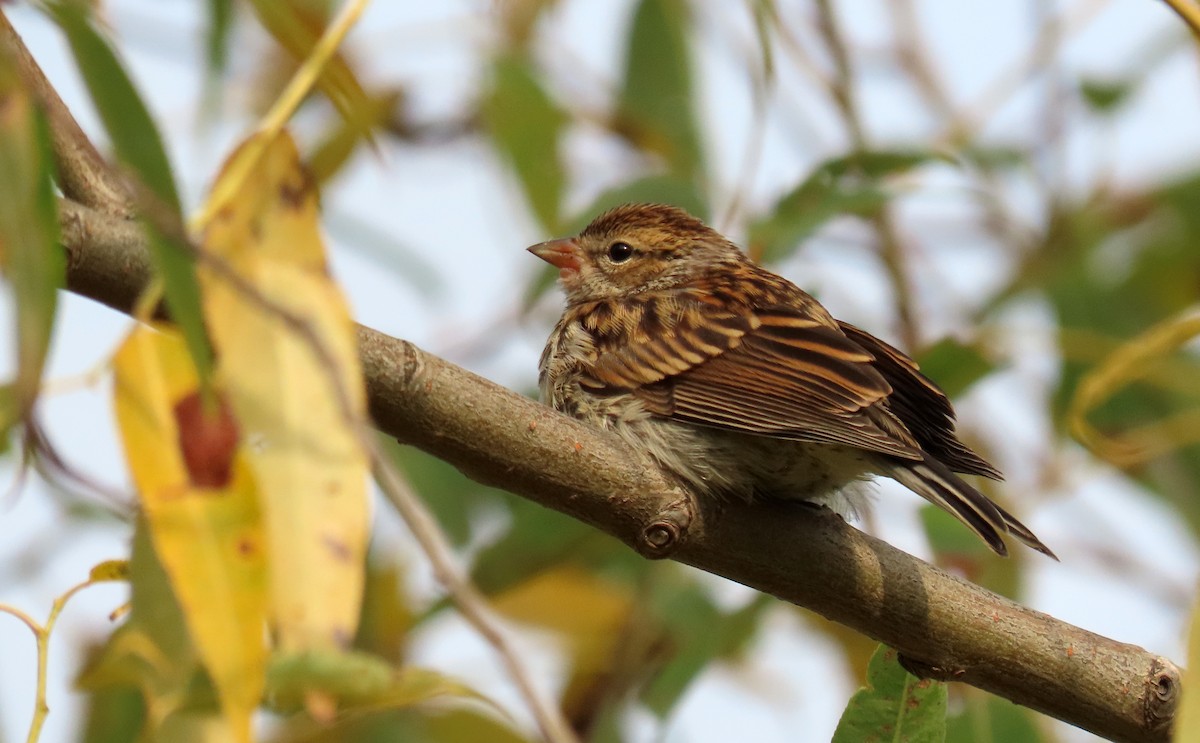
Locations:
{"points": [[587, 610], [288, 358], [592, 615], [200, 500], [1187, 724], [109, 570], [1130, 362], [298, 29]]}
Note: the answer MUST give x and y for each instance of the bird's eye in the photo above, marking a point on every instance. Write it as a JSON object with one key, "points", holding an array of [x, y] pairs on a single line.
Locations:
{"points": [[620, 252]]}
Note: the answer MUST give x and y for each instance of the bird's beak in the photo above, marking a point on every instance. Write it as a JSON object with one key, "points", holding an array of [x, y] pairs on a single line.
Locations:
{"points": [[562, 254]]}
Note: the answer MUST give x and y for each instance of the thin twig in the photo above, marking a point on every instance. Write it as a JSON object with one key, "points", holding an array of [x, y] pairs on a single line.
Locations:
{"points": [[466, 597], [1007, 84], [911, 54], [41, 635], [891, 251], [284, 107], [841, 84], [56, 470], [762, 78], [1189, 11]]}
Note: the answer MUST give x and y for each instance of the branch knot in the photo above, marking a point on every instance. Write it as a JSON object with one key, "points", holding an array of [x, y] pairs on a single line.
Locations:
{"points": [[1163, 696], [663, 535]]}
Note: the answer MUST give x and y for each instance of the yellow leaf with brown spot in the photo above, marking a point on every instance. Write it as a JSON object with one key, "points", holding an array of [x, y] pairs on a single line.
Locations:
{"points": [[288, 358], [200, 500]]}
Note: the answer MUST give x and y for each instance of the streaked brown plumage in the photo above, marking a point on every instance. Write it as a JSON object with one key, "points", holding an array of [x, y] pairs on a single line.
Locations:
{"points": [[738, 381]]}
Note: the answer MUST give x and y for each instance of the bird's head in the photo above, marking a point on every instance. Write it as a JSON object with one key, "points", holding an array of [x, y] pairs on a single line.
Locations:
{"points": [[636, 248]]}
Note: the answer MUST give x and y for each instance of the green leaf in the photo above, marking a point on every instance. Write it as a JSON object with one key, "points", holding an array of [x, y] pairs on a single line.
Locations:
{"points": [[691, 616], [340, 143], [948, 537], [387, 614], [125, 116], [346, 675], [216, 54], [140, 149], [152, 649], [216, 36], [539, 539], [875, 164], [114, 715], [359, 681], [954, 366], [698, 631], [845, 185], [451, 495], [764, 21], [10, 413], [525, 126], [464, 725], [994, 158], [894, 706], [655, 110], [30, 252], [597, 626], [1112, 269], [658, 189], [1105, 97], [987, 718], [421, 725]]}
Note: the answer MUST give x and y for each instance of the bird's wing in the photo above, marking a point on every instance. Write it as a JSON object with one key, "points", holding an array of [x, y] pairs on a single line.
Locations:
{"points": [[785, 371], [921, 405]]}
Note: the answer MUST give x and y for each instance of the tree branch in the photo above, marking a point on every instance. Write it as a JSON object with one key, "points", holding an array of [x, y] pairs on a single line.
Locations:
{"points": [[83, 174], [945, 627]]}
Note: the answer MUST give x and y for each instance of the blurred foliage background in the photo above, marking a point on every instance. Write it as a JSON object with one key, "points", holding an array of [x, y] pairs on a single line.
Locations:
{"points": [[1012, 194]]}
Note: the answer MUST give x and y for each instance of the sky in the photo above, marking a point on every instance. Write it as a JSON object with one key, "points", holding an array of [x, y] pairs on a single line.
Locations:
{"points": [[456, 209]]}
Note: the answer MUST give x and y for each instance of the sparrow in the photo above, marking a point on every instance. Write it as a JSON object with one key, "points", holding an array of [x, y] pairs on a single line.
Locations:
{"points": [[740, 383]]}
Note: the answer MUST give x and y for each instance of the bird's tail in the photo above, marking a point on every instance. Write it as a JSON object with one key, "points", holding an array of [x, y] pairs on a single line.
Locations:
{"points": [[935, 482]]}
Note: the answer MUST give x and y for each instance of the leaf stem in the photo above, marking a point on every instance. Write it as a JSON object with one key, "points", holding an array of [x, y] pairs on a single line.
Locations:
{"points": [[1189, 12], [284, 107], [41, 636]]}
